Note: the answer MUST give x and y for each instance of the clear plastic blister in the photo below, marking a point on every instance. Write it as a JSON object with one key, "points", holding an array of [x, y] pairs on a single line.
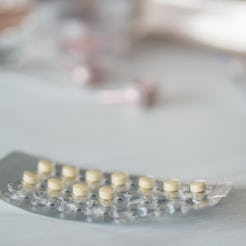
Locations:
{"points": [[90, 195]]}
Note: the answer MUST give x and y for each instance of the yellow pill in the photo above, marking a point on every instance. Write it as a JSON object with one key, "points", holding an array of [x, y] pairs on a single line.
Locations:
{"points": [[106, 193], [80, 189], [119, 179], [30, 178], [55, 184], [46, 167], [93, 176], [146, 183], [198, 186], [70, 172], [171, 185]]}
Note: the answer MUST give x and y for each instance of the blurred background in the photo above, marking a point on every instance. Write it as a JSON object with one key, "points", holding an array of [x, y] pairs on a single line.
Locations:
{"points": [[156, 80], [145, 86], [80, 42]]}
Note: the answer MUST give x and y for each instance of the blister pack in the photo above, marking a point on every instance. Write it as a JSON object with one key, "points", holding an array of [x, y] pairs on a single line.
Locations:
{"points": [[67, 192]]}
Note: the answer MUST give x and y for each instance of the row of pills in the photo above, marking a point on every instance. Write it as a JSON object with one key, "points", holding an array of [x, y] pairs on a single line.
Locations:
{"points": [[119, 179]]}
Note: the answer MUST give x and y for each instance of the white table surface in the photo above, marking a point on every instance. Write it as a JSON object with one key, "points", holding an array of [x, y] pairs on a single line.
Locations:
{"points": [[196, 132]]}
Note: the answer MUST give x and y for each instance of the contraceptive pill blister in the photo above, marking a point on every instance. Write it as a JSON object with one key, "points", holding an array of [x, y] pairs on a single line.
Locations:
{"points": [[67, 192]]}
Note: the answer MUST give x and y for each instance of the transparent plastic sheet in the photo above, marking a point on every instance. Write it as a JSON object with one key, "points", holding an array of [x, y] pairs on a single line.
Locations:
{"points": [[129, 205]]}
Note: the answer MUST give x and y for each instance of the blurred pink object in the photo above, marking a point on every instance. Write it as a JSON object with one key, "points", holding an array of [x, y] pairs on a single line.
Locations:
{"points": [[144, 93], [87, 74]]}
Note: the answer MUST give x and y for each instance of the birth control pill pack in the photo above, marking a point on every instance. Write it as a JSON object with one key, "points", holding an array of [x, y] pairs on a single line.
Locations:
{"points": [[63, 191]]}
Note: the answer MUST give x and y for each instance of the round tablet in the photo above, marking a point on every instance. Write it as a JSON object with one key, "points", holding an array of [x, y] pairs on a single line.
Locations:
{"points": [[70, 172], [119, 179], [55, 184], [30, 178], [93, 176], [146, 183], [106, 193], [171, 185], [46, 167], [80, 189], [198, 186]]}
